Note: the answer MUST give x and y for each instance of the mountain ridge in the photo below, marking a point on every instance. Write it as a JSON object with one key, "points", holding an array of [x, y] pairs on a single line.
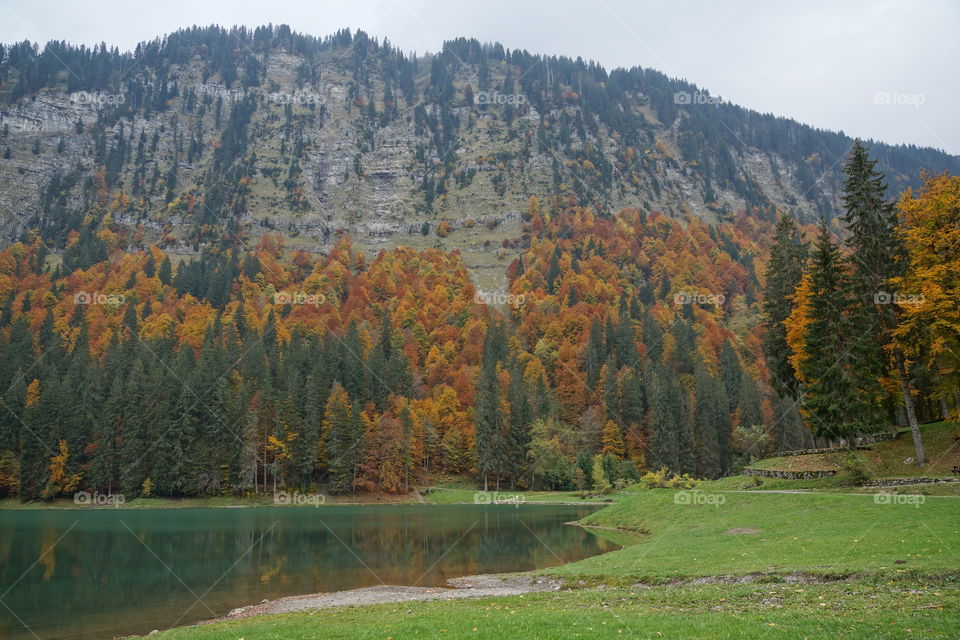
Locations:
{"points": [[209, 131]]}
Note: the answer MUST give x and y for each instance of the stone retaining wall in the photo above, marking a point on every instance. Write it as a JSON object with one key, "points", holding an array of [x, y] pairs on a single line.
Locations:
{"points": [[789, 475], [902, 482]]}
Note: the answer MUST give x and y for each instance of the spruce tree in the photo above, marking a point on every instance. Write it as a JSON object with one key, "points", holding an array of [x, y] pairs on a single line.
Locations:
{"points": [[788, 257], [877, 255], [491, 445], [664, 427], [711, 416], [831, 401], [730, 374]]}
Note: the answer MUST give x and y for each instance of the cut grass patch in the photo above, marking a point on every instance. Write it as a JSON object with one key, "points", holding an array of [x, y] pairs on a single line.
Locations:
{"points": [[705, 612], [821, 534]]}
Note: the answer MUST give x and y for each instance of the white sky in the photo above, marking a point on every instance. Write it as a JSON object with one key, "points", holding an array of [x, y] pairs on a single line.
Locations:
{"points": [[821, 62]]}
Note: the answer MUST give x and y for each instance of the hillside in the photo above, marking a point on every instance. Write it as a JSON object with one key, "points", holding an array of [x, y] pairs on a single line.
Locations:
{"points": [[207, 131], [889, 459]]}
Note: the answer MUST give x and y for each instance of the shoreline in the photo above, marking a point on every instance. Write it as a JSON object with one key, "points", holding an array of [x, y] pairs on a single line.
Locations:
{"points": [[12, 504], [474, 586]]}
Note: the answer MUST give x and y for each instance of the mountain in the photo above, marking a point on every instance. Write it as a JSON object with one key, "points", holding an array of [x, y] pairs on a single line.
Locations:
{"points": [[209, 131], [238, 261]]}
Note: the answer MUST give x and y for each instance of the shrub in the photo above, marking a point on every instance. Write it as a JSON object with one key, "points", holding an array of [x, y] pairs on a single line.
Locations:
{"points": [[663, 479], [855, 469]]}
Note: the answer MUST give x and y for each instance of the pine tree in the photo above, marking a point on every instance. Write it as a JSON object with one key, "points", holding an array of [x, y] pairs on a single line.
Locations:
{"points": [[594, 355], [711, 416], [104, 468], [788, 431], [686, 445], [749, 403], [877, 255], [343, 431], [134, 463], [664, 446], [518, 436], [611, 391], [490, 446], [831, 401], [788, 256], [730, 374]]}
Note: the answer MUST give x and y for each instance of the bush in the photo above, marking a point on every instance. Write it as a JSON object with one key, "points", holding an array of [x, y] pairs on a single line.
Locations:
{"points": [[663, 479], [855, 469], [601, 484]]}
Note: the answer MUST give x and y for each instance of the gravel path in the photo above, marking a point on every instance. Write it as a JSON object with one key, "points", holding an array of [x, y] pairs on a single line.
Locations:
{"points": [[481, 586]]}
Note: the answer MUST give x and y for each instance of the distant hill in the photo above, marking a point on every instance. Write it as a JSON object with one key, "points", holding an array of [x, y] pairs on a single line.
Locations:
{"points": [[210, 130]]}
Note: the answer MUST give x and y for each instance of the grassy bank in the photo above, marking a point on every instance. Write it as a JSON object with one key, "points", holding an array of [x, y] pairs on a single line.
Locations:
{"points": [[212, 502], [705, 533], [704, 612], [888, 459], [433, 495]]}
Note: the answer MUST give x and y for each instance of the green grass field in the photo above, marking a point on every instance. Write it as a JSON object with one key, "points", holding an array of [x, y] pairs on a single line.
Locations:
{"points": [[775, 533], [702, 612]]}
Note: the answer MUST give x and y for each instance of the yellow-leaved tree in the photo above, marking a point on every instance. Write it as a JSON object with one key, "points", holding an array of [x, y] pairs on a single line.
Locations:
{"points": [[929, 326]]}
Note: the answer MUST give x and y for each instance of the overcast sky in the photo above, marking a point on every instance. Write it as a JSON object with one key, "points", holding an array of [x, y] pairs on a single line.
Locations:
{"points": [[879, 69]]}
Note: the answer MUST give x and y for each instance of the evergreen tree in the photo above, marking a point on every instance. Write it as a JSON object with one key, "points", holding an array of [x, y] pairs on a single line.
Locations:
{"points": [[831, 401], [104, 469], [343, 435], [491, 445], [711, 417], [664, 446], [518, 435], [877, 255], [730, 374], [788, 256], [788, 431]]}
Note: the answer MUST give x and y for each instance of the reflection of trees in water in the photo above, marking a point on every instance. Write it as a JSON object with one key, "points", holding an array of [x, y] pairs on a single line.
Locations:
{"points": [[100, 571]]}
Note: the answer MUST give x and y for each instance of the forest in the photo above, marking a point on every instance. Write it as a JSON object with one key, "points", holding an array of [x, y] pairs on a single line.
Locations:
{"points": [[632, 342], [230, 360]]}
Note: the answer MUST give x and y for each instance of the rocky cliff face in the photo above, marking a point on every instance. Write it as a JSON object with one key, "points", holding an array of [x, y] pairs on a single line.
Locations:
{"points": [[335, 149]]}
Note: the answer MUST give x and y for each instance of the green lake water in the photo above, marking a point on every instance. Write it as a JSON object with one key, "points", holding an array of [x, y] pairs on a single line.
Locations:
{"points": [[77, 574]]}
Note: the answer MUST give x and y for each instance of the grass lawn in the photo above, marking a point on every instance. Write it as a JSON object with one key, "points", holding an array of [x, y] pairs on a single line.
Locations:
{"points": [[737, 533], [704, 612]]}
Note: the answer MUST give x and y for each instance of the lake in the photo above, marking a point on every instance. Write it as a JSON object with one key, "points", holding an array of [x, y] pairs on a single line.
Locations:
{"points": [[77, 574]]}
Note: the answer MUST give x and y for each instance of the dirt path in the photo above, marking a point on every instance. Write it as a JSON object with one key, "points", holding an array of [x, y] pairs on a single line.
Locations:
{"points": [[481, 586]]}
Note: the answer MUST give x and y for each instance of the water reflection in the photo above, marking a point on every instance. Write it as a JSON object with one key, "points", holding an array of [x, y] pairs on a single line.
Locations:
{"points": [[96, 574]]}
